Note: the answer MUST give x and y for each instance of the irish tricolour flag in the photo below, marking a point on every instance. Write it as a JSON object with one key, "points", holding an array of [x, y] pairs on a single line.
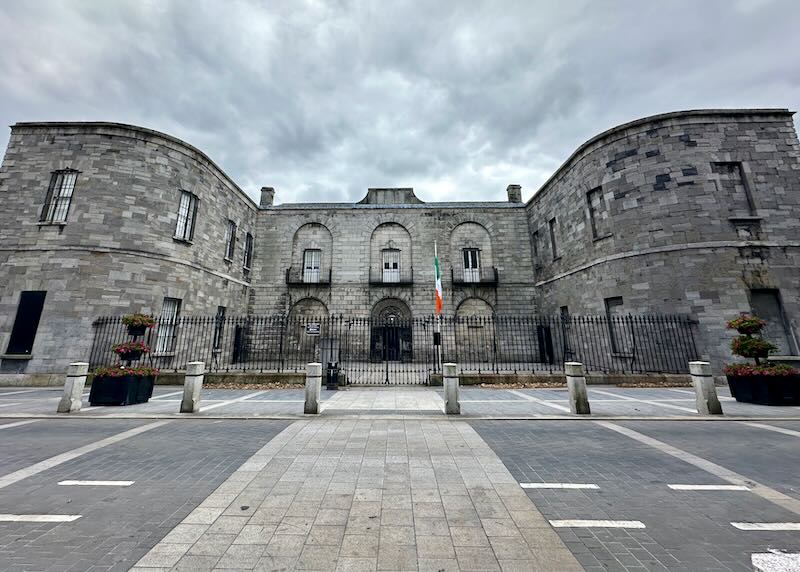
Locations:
{"points": [[438, 280]]}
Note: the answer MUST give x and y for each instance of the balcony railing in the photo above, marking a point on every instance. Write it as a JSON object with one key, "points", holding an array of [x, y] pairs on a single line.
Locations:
{"points": [[306, 277], [484, 276], [399, 277]]}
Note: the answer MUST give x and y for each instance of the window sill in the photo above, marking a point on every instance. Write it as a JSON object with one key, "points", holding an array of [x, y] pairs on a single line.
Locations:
{"points": [[227, 260], [17, 356], [622, 355], [556, 259], [752, 218], [51, 223], [163, 354], [182, 240], [605, 236]]}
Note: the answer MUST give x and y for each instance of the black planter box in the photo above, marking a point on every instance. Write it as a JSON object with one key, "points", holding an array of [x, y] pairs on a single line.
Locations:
{"points": [[136, 331], [130, 356], [766, 389], [124, 390]]}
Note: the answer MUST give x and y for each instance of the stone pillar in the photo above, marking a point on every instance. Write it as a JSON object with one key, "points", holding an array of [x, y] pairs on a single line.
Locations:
{"points": [[192, 386], [705, 393], [73, 388], [514, 193], [452, 406], [267, 197], [313, 387], [576, 384]]}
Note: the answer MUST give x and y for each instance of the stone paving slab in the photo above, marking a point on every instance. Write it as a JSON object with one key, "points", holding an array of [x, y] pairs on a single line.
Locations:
{"points": [[366, 495]]}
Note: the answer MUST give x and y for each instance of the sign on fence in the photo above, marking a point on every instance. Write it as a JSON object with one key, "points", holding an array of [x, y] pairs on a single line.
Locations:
{"points": [[312, 328]]}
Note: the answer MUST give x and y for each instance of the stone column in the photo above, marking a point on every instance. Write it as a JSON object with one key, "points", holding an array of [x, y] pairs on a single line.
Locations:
{"points": [[313, 387], [192, 386], [452, 406], [576, 384], [705, 393], [73, 388]]}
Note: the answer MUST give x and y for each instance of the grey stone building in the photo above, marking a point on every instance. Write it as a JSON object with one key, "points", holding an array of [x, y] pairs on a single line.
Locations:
{"points": [[694, 212]]}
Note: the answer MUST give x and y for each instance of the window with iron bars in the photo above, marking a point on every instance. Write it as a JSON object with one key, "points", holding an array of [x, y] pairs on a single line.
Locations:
{"points": [[59, 196], [230, 240], [248, 254], [187, 216]]}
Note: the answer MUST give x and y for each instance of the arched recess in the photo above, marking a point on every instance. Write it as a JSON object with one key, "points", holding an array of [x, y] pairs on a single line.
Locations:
{"points": [[471, 252], [307, 330], [308, 309], [390, 254], [312, 252], [474, 331], [391, 331]]}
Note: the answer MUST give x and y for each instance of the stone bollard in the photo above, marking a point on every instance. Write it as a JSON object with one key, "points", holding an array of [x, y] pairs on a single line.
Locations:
{"points": [[452, 406], [576, 384], [73, 388], [313, 387], [192, 386], [705, 393]]}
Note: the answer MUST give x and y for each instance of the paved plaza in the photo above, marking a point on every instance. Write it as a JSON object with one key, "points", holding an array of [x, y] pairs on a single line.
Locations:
{"points": [[383, 480]]}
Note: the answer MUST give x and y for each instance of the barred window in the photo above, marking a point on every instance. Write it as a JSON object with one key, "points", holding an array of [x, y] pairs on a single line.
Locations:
{"points": [[230, 240], [187, 215], [248, 252], [167, 331], [59, 196]]}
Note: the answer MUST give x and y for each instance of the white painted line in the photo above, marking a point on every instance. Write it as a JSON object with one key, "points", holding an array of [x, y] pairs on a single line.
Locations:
{"points": [[679, 390], [237, 400], [527, 397], [596, 524], [37, 468], [765, 492], [166, 395], [558, 486], [709, 487], [646, 401], [775, 562], [8, 404], [773, 526], [96, 483], [39, 517], [17, 424], [4, 393], [773, 428]]}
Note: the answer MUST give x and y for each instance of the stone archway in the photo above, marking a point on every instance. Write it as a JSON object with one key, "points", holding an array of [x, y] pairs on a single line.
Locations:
{"points": [[391, 331]]}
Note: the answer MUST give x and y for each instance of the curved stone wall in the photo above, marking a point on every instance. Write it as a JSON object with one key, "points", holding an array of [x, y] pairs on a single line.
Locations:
{"points": [[115, 253], [678, 213]]}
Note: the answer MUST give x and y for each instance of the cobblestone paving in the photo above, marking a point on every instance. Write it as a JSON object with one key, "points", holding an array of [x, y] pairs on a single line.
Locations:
{"points": [[175, 467], [366, 495], [685, 530]]}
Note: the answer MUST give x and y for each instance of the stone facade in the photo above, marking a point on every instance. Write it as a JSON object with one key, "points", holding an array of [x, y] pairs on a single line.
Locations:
{"points": [[691, 212]]}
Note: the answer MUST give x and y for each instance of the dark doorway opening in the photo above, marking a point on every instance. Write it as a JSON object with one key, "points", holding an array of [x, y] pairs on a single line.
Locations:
{"points": [[29, 311]]}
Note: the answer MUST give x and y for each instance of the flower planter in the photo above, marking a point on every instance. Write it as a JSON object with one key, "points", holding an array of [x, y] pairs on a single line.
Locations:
{"points": [[136, 331], [766, 389], [121, 390], [130, 356]]}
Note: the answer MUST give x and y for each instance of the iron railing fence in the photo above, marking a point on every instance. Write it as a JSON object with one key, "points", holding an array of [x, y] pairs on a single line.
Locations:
{"points": [[369, 350]]}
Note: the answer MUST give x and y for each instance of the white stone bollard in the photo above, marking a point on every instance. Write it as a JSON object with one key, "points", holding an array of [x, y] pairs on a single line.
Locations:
{"points": [[192, 386], [73, 388], [452, 406], [705, 393], [576, 384], [313, 388]]}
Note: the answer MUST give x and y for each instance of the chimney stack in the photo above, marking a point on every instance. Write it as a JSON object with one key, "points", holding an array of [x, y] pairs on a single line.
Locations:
{"points": [[514, 193], [267, 197]]}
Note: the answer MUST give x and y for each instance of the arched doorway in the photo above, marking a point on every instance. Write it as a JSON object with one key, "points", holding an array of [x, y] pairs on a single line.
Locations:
{"points": [[391, 331]]}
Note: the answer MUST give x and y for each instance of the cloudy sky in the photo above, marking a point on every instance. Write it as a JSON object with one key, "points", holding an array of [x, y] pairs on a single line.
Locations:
{"points": [[323, 99]]}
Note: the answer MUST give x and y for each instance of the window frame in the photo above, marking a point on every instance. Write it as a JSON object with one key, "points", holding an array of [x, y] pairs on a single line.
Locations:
{"points": [[553, 247], [612, 334], [187, 221], [390, 275], [219, 328], [247, 259], [167, 334], [312, 275], [471, 273], [60, 181], [230, 240], [593, 213]]}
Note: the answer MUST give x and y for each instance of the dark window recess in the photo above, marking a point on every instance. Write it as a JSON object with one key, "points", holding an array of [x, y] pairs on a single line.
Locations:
{"points": [[59, 196], [598, 213], [219, 327], [621, 340], [731, 180], [230, 240], [248, 253], [766, 303], [26, 323], [187, 216], [535, 240], [552, 225]]}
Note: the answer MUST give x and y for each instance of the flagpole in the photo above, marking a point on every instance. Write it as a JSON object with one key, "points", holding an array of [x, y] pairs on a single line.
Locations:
{"points": [[438, 323]]}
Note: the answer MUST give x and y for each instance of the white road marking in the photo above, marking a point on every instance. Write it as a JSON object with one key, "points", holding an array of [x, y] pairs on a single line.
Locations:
{"points": [[166, 395], [4, 393], [37, 468], [770, 494], [8, 404], [96, 483], [558, 486], [237, 400], [679, 390], [17, 424], [775, 562], [647, 401], [773, 428], [527, 397], [709, 487], [772, 526], [597, 524], [39, 517]]}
